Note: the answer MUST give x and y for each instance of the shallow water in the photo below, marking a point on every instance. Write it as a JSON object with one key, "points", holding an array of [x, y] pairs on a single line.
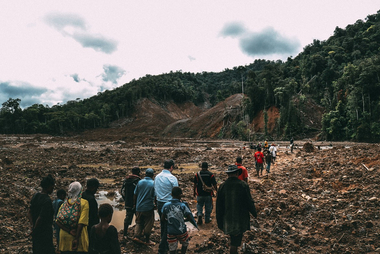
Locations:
{"points": [[118, 214]]}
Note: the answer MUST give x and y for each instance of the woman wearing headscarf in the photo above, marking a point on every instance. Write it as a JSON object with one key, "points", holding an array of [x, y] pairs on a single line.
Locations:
{"points": [[72, 218]]}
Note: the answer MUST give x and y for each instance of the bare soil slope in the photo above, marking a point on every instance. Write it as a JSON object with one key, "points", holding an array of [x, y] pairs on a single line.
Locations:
{"points": [[153, 119], [210, 122], [258, 122]]}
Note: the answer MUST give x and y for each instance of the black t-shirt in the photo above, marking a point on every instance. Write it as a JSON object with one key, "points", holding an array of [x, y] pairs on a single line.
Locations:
{"points": [[128, 189], [108, 243], [93, 218], [42, 206], [208, 178]]}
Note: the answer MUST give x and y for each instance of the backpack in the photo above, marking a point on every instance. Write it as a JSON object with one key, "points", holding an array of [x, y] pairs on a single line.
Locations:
{"points": [[69, 214], [204, 186], [127, 190]]}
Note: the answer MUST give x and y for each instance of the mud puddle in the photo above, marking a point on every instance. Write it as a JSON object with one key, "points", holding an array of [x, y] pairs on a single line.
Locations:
{"points": [[118, 213]]}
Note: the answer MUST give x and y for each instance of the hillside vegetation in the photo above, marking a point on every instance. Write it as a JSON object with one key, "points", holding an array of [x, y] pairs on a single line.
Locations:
{"points": [[339, 76]]}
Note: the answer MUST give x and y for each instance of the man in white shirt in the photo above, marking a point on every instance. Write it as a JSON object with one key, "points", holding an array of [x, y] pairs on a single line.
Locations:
{"points": [[163, 185], [273, 151]]}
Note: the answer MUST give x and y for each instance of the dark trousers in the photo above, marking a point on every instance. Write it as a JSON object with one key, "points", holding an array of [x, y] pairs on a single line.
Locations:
{"points": [[163, 247], [128, 219], [43, 244]]}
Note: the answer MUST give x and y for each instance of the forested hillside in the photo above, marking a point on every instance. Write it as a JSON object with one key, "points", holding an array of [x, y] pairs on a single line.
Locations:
{"points": [[340, 74]]}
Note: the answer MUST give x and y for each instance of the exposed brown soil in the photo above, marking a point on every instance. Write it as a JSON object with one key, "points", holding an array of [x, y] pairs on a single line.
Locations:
{"points": [[153, 119], [320, 201], [258, 121]]}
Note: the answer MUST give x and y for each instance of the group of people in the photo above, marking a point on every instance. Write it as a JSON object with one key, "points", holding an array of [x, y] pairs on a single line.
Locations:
{"points": [[82, 227], [267, 157]]}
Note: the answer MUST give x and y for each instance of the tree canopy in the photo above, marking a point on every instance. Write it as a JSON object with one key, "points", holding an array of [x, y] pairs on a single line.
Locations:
{"points": [[341, 74]]}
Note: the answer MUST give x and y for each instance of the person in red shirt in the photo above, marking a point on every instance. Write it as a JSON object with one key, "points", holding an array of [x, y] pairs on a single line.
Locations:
{"points": [[259, 158], [244, 173]]}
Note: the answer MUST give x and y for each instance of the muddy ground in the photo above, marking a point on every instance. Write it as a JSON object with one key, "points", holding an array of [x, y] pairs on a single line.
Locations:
{"points": [[314, 201]]}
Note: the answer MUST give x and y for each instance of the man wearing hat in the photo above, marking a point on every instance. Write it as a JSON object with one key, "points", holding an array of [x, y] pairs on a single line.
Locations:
{"points": [[233, 205], [89, 195], [144, 203], [204, 197]]}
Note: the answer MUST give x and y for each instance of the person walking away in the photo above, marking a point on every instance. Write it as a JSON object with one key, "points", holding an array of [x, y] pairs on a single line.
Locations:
{"points": [[144, 203], [89, 195], [164, 183], [40, 215], [72, 218], [103, 236], [266, 145], [273, 151], [127, 192], [204, 194], [61, 195], [268, 161], [242, 170], [259, 158], [233, 205], [174, 213], [291, 145]]}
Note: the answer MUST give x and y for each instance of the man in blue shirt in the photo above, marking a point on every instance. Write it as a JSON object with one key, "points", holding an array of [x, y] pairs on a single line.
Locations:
{"points": [[174, 213], [163, 185], [144, 202]]}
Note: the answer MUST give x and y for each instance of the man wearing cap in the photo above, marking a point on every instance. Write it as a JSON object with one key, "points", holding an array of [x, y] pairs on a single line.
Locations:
{"points": [[127, 192], [204, 197], [89, 195], [144, 203], [163, 185], [233, 205]]}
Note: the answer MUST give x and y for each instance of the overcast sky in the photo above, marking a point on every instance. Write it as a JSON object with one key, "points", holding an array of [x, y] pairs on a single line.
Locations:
{"points": [[55, 51]]}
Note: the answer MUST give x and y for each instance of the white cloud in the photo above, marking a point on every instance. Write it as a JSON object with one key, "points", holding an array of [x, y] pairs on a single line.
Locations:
{"points": [[63, 46]]}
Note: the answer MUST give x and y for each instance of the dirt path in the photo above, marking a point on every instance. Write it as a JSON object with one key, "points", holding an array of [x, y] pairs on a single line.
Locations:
{"points": [[320, 201]]}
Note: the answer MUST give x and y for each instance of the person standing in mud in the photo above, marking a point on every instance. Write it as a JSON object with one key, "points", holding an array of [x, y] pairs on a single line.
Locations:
{"points": [[243, 172], [204, 197], [89, 195], [174, 212], [268, 161], [61, 195], [127, 192], [104, 237], [144, 203], [163, 186], [41, 215], [273, 151], [259, 158], [72, 218], [233, 205]]}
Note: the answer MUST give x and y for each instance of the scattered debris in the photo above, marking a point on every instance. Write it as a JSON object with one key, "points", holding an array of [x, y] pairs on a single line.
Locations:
{"points": [[310, 202]]}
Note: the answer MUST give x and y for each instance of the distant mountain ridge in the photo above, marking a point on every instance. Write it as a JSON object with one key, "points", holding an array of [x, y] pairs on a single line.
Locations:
{"points": [[338, 77]]}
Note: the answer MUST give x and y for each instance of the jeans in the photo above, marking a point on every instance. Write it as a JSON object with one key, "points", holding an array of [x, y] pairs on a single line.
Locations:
{"points": [[268, 166], [163, 247], [205, 201]]}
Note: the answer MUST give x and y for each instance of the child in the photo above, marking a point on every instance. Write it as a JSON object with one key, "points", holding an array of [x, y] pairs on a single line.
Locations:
{"points": [[104, 237], [174, 212], [61, 195]]}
